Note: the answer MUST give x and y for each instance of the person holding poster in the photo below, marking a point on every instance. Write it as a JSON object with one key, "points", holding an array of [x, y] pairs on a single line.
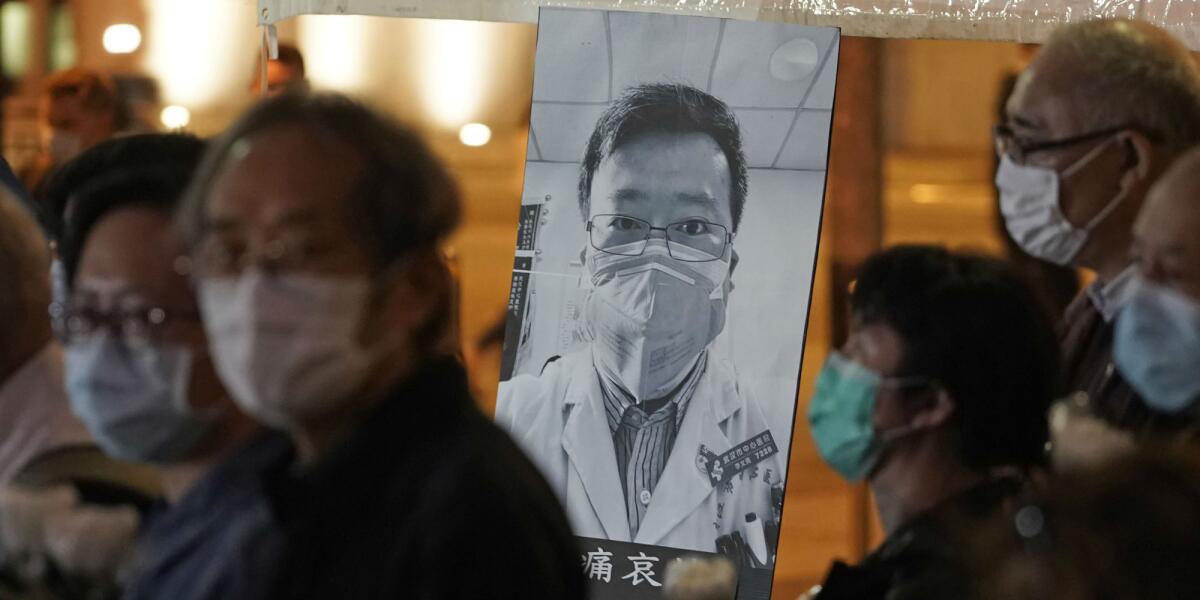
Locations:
{"points": [[645, 435]]}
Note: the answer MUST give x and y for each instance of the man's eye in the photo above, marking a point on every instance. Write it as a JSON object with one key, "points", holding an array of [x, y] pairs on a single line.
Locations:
{"points": [[624, 224], [1025, 142], [695, 227]]}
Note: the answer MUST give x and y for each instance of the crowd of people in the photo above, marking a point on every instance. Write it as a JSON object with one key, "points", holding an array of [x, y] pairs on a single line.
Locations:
{"points": [[231, 368]]}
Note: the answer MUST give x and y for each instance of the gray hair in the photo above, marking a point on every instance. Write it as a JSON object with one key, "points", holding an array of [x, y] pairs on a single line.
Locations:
{"points": [[405, 201], [1130, 73], [25, 268]]}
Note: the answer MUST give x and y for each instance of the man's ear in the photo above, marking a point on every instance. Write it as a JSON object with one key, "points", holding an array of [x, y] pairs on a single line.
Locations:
{"points": [[935, 413], [733, 263], [415, 295], [1140, 157]]}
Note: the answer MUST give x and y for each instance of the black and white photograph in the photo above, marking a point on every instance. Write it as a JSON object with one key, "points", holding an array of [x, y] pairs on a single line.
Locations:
{"points": [[669, 226]]}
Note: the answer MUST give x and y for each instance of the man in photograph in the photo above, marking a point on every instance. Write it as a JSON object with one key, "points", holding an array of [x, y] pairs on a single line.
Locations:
{"points": [[646, 435]]}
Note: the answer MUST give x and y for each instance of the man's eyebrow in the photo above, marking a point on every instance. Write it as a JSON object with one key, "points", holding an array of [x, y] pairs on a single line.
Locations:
{"points": [[219, 224], [701, 198], [303, 216], [225, 224], [628, 195]]}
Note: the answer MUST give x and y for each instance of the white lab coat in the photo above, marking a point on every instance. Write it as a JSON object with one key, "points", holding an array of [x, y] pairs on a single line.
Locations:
{"points": [[558, 418]]}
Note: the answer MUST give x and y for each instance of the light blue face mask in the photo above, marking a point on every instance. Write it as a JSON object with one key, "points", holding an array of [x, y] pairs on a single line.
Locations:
{"points": [[134, 400], [1156, 347]]}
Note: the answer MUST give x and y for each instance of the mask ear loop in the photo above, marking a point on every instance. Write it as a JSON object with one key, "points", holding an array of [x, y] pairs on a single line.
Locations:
{"points": [[1084, 161], [896, 434]]}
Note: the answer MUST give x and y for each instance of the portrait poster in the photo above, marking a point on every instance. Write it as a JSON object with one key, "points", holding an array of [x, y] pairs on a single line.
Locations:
{"points": [[668, 233]]}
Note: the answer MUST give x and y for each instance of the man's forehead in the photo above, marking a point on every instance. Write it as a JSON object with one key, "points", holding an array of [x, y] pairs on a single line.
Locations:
{"points": [[285, 173], [1040, 98], [1174, 200], [690, 166]]}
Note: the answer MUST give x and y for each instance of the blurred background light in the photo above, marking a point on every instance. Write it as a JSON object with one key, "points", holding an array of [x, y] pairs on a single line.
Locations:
{"points": [[202, 52], [122, 38], [175, 117], [14, 30], [454, 69], [337, 51], [475, 134]]}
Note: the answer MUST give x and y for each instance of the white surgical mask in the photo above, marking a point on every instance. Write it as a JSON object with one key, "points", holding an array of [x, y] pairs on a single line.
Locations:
{"points": [[1030, 200], [63, 146], [1156, 347], [134, 399], [650, 316], [286, 346]]}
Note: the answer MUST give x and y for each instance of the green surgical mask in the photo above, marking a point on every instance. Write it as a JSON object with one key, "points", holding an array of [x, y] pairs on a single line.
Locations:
{"points": [[840, 415]]}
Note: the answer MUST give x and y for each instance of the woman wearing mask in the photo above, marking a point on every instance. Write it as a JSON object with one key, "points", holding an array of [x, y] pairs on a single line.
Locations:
{"points": [[938, 400], [139, 376]]}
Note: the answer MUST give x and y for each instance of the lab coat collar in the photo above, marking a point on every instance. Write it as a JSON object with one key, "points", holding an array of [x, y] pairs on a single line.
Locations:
{"points": [[589, 445], [682, 487]]}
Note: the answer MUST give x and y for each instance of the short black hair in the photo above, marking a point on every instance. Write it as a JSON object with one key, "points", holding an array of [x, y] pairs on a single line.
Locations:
{"points": [[150, 151], [671, 108], [135, 177], [971, 324], [404, 202]]}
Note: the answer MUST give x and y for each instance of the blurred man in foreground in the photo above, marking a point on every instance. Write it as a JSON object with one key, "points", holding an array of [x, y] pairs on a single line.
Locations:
{"points": [[316, 226]]}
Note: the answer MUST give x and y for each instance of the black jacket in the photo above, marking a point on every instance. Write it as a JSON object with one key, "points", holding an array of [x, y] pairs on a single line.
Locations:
{"points": [[426, 499], [924, 560]]}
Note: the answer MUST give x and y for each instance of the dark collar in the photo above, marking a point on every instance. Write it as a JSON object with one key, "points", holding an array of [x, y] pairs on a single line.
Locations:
{"points": [[416, 412]]}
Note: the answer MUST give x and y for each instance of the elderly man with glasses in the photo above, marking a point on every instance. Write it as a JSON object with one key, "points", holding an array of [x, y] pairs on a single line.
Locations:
{"points": [[1096, 118], [635, 432]]}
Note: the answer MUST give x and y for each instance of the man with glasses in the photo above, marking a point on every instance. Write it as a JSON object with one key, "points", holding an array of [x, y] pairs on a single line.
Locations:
{"points": [[633, 430], [1099, 114], [315, 226]]}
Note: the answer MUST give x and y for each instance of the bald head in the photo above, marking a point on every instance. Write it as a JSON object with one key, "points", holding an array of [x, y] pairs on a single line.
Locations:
{"points": [[1113, 72], [25, 295], [1165, 240]]}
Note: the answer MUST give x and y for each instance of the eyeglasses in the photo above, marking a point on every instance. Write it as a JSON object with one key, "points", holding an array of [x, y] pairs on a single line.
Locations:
{"points": [[693, 240], [219, 258], [1006, 142], [133, 325]]}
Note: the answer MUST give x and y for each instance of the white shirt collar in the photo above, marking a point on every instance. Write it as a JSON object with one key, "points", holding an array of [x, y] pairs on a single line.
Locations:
{"points": [[1109, 297]]}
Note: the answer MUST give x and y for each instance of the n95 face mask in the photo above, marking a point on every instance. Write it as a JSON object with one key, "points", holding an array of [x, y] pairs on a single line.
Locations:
{"points": [[1156, 347], [287, 346], [650, 316], [133, 399], [1030, 199]]}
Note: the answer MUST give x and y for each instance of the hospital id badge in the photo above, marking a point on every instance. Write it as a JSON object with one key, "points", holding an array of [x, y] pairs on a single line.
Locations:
{"points": [[723, 468]]}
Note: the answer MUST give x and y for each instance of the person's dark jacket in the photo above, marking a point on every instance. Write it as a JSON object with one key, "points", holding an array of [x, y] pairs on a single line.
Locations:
{"points": [[426, 499], [924, 559], [193, 550]]}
